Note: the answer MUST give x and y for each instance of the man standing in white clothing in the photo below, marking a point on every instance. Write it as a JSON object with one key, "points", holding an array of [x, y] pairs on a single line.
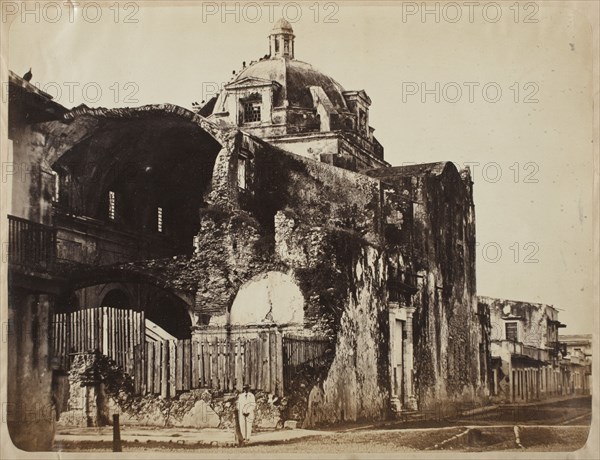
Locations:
{"points": [[246, 404]]}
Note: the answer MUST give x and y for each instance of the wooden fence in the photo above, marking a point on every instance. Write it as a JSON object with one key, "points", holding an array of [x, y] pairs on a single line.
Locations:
{"points": [[115, 333], [302, 351], [226, 361], [223, 363]]}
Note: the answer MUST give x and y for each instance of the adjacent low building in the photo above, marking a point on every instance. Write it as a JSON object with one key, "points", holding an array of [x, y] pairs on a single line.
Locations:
{"points": [[525, 350], [578, 362]]}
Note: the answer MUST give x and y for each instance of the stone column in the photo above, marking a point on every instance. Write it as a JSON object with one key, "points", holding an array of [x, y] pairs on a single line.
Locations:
{"points": [[395, 402], [410, 401], [30, 410]]}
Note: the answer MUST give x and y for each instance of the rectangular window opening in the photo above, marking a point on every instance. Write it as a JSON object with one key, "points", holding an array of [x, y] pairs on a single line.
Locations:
{"points": [[111, 205], [241, 173], [56, 195], [511, 332], [251, 112]]}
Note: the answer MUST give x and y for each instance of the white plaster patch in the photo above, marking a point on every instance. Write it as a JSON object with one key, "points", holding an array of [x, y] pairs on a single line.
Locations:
{"points": [[271, 297]]}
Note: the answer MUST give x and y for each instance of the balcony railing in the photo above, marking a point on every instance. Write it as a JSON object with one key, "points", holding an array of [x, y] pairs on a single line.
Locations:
{"points": [[30, 243], [519, 349]]}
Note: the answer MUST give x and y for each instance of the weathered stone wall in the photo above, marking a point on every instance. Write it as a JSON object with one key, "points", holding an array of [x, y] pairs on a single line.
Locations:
{"points": [[343, 279], [356, 385], [30, 410], [322, 195], [430, 220], [300, 219], [445, 322], [32, 184]]}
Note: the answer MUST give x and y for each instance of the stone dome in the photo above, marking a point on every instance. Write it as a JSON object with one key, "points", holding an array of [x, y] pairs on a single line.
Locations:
{"points": [[282, 26], [295, 79]]}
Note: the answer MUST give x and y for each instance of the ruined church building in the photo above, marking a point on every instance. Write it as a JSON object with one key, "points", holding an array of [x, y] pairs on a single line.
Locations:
{"points": [[260, 238]]}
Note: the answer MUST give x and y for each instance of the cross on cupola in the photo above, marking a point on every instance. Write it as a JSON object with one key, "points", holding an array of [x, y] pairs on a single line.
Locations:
{"points": [[281, 40]]}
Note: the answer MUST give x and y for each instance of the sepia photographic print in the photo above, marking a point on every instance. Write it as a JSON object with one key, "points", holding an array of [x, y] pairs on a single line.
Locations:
{"points": [[299, 229]]}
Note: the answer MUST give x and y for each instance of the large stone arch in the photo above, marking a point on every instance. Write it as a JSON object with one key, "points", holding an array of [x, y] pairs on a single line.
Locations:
{"points": [[83, 123], [127, 167], [169, 308]]}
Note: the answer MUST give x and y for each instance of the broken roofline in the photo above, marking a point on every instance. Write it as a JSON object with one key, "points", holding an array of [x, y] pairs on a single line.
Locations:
{"points": [[218, 134], [497, 300]]}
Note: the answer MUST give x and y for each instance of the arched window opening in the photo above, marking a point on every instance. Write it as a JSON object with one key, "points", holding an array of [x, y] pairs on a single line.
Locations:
{"points": [[116, 298]]}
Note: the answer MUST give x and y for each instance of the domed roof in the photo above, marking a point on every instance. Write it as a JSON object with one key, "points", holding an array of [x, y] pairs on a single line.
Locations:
{"points": [[296, 78], [282, 26]]}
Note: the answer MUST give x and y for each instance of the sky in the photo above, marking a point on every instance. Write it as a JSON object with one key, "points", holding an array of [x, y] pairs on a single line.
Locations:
{"points": [[506, 90]]}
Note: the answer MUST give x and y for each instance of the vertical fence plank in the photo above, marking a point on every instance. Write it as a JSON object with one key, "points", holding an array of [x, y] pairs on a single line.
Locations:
{"points": [[218, 364], [222, 369], [78, 329], [179, 366], [266, 371], [132, 341], [121, 323], [206, 361], [114, 335], [214, 363], [136, 369], [82, 330], [64, 339], [90, 329], [132, 337], [239, 365], [279, 360], [104, 335], [93, 328], [231, 362], [109, 333], [249, 363], [149, 367], [174, 349], [165, 369], [272, 362], [69, 345], [124, 340], [158, 357], [142, 341], [256, 360], [223, 365], [83, 326], [195, 367], [187, 360], [75, 331], [201, 374]]}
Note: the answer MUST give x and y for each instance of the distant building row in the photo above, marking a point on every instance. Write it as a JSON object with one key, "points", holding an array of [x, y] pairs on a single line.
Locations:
{"points": [[529, 359]]}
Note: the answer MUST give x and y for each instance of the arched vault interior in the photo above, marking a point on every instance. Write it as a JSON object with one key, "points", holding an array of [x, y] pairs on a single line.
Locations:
{"points": [[145, 176]]}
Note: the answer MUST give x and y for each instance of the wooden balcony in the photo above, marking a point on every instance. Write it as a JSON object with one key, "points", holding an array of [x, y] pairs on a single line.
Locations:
{"points": [[31, 244]]}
